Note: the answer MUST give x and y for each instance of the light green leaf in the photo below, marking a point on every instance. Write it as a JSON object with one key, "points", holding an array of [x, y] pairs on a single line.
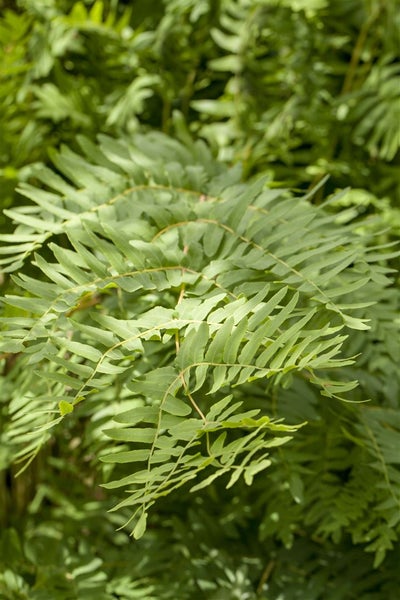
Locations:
{"points": [[65, 407]]}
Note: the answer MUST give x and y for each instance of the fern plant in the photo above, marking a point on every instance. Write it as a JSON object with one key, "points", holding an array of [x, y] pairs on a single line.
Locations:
{"points": [[163, 289], [244, 83], [139, 277]]}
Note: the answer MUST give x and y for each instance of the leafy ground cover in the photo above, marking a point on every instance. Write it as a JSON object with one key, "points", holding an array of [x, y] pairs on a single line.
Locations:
{"points": [[200, 311]]}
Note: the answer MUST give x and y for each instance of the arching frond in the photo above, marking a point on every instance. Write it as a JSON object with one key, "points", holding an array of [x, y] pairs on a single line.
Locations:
{"points": [[183, 289]]}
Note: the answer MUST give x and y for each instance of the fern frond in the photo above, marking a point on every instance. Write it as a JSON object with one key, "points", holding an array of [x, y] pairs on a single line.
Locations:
{"points": [[145, 276], [377, 112]]}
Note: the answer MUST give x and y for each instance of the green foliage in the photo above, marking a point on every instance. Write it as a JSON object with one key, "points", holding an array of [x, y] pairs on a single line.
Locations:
{"points": [[171, 297], [291, 88], [190, 352]]}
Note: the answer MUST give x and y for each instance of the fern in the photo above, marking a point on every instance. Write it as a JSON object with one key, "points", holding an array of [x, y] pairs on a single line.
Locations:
{"points": [[376, 110], [128, 276], [175, 284]]}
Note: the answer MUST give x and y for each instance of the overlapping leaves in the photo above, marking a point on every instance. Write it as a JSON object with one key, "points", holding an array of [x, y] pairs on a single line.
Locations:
{"points": [[175, 284]]}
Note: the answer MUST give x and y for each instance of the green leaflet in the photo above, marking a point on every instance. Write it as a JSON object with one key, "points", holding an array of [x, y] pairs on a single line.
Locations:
{"points": [[65, 407], [146, 414], [170, 304]]}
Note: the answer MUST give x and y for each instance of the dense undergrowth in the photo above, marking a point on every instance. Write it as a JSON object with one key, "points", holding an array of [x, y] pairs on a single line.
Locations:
{"points": [[200, 305]]}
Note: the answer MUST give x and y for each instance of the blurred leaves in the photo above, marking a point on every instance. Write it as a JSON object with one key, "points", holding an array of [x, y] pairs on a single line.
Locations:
{"points": [[174, 322]]}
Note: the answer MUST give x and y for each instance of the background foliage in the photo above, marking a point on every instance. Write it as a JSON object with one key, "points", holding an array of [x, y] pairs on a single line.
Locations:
{"points": [[278, 94]]}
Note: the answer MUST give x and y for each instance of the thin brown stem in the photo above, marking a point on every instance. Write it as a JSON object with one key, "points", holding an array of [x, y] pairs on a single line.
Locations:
{"points": [[265, 576]]}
